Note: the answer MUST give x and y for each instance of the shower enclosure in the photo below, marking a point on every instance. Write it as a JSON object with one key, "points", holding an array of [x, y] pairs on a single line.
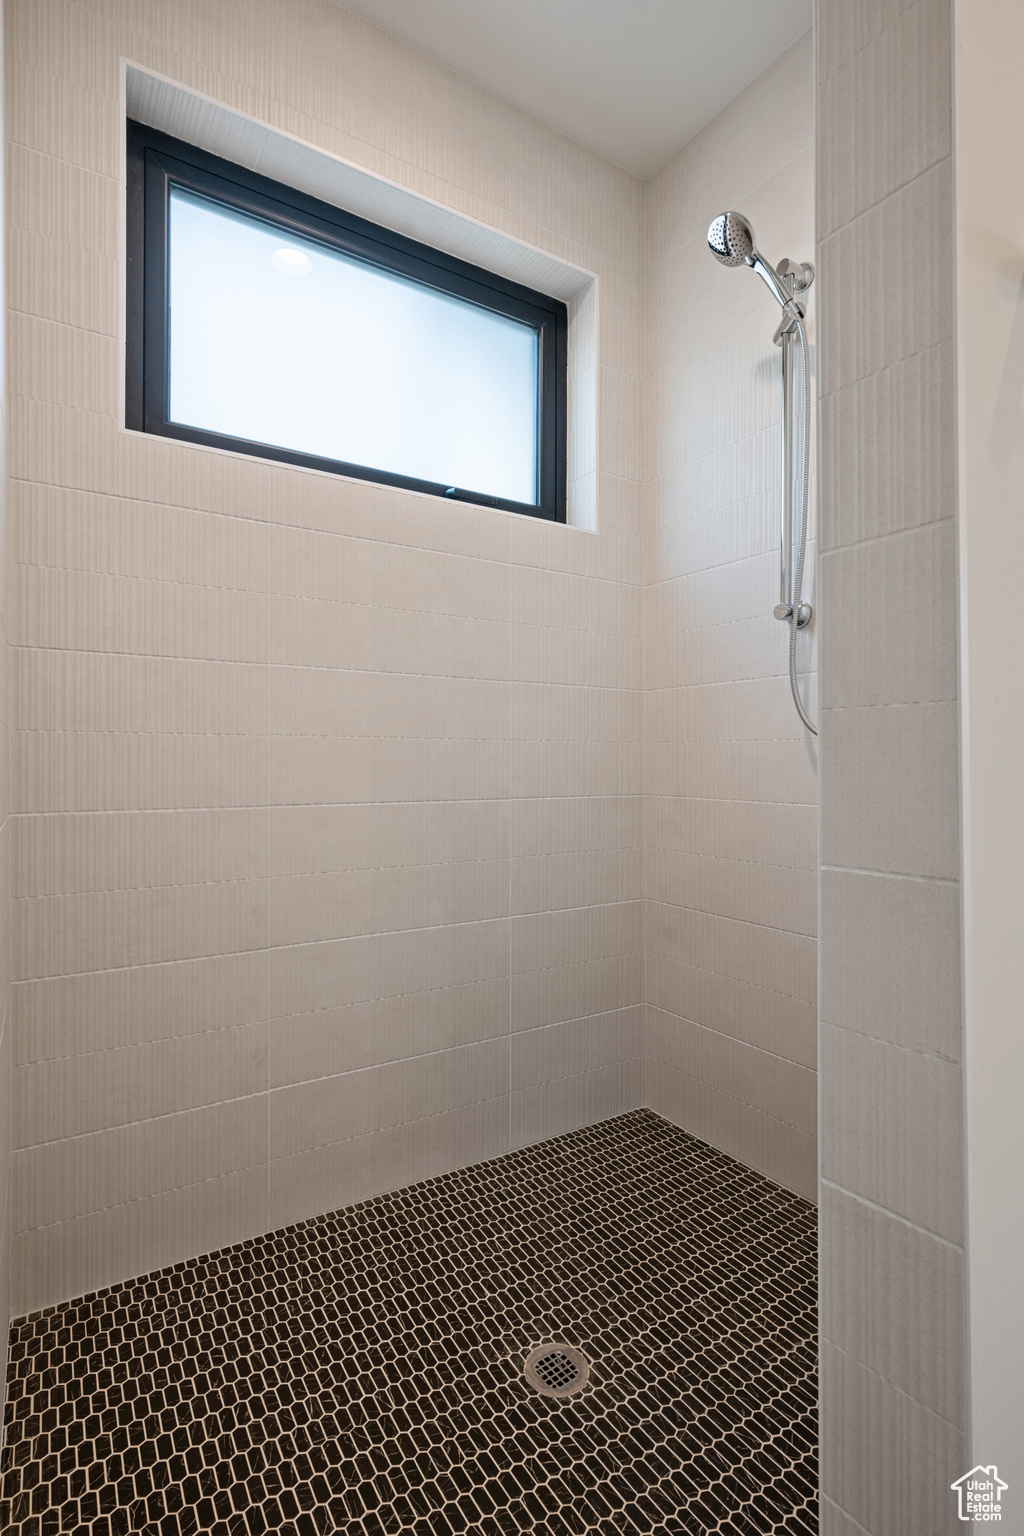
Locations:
{"points": [[414, 901]]}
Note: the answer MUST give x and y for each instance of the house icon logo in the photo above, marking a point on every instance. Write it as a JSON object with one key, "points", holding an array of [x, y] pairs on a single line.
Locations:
{"points": [[980, 1492]]}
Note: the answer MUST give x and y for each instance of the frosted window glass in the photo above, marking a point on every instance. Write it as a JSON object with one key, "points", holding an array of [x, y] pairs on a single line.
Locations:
{"points": [[283, 341]]}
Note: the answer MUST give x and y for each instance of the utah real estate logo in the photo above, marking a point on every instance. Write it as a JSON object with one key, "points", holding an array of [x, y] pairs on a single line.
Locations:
{"points": [[980, 1492]]}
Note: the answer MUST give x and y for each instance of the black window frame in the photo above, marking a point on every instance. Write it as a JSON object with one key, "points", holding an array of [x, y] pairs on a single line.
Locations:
{"points": [[156, 162]]}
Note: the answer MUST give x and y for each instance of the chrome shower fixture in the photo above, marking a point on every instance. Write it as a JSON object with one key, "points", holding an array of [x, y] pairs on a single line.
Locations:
{"points": [[731, 241]]}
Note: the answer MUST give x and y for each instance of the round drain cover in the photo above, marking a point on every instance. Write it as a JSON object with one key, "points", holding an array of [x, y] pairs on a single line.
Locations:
{"points": [[556, 1370]]}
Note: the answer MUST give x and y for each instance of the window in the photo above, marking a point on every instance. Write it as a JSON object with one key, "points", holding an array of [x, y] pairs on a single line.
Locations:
{"points": [[267, 322]]}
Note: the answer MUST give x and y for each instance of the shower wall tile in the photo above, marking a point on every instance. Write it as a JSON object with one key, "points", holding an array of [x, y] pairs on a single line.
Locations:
{"points": [[136, 1082], [886, 116], [66, 1017], [105, 930], [593, 1095], [892, 641], [291, 751], [359, 1167], [771, 1020], [783, 835], [731, 782], [132, 1162], [735, 1068], [893, 804], [910, 232], [59, 856], [330, 1041], [877, 1270], [303, 1116], [872, 1435], [887, 452], [576, 1047], [749, 891], [893, 1129], [896, 975], [753, 1137], [892, 1137], [92, 1251]]}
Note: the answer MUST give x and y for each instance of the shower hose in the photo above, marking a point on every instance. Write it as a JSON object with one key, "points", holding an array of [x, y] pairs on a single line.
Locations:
{"points": [[802, 541]]}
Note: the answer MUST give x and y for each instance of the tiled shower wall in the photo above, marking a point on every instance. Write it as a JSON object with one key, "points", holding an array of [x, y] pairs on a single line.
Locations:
{"points": [[731, 784], [892, 1200], [327, 820]]}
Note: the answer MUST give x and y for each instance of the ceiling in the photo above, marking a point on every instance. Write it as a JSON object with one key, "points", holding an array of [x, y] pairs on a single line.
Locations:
{"points": [[631, 79]]}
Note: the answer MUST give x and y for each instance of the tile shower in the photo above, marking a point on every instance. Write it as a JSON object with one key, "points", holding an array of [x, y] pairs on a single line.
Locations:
{"points": [[371, 851]]}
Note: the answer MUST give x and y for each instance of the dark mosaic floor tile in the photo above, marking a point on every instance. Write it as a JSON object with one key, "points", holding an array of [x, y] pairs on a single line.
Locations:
{"points": [[362, 1372]]}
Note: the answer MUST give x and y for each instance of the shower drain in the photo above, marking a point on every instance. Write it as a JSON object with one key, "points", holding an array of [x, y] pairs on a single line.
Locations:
{"points": [[556, 1370]]}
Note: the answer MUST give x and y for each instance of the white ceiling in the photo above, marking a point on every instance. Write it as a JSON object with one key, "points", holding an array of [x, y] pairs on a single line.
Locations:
{"points": [[631, 79]]}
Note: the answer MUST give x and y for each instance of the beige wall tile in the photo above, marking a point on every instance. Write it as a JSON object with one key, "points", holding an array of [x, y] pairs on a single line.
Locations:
{"points": [[61, 282], [106, 930], [53, 361], [99, 771], [305, 632], [549, 882], [88, 611], [72, 1095], [897, 133], [877, 1273], [340, 904], [892, 1129], [343, 1172], [575, 991], [331, 1109], [386, 575], [70, 1258], [887, 449], [874, 1438], [574, 1048], [770, 895], [331, 1041], [62, 1179], [328, 702], [332, 974], [321, 770], [767, 1018], [64, 692], [783, 835], [565, 938], [762, 957], [316, 839], [893, 807], [65, 855], [110, 1010], [61, 201], [569, 1102], [782, 1152], [777, 1087], [886, 619], [892, 970], [539, 827], [59, 527], [908, 231]]}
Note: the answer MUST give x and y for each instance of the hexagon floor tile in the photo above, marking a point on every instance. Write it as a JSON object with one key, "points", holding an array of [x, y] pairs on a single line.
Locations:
{"points": [[363, 1372]]}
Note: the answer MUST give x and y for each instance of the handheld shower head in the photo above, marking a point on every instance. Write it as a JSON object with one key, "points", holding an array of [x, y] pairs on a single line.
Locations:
{"points": [[731, 239]]}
